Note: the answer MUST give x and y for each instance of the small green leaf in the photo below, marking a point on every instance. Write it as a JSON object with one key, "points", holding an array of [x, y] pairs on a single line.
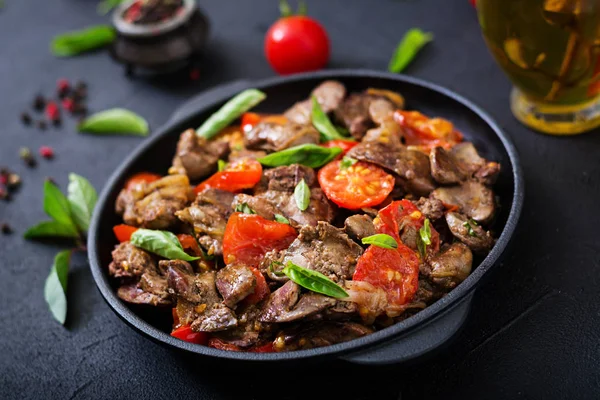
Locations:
{"points": [[57, 206], [381, 240], [55, 289], [49, 229], [321, 122], [163, 243], [82, 199], [105, 6], [76, 42], [308, 154], [244, 208], [229, 112], [302, 195], [117, 121], [469, 224], [424, 238], [282, 219], [347, 162], [314, 281], [221, 165], [408, 48]]}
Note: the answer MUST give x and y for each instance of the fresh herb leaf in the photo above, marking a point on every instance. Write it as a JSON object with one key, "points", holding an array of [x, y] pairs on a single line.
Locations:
{"points": [[55, 288], [244, 208], [163, 243], [105, 6], [118, 121], [48, 229], [321, 122], [347, 162], [408, 48], [469, 224], [82, 199], [280, 218], [231, 110], [424, 238], [343, 131], [309, 154], [76, 42], [302, 195], [57, 206], [221, 165], [381, 240], [314, 281]]}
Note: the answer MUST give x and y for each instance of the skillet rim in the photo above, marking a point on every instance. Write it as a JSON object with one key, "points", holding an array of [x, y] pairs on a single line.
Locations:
{"points": [[389, 334]]}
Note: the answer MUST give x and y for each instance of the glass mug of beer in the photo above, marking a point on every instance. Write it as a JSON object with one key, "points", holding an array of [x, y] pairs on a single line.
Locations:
{"points": [[550, 49]]}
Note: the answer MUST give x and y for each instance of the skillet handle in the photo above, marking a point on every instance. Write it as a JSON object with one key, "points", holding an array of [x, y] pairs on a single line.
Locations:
{"points": [[191, 107], [416, 344]]}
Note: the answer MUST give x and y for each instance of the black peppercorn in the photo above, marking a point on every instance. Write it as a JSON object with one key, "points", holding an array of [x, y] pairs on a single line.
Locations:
{"points": [[6, 229], [26, 118], [39, 103]]}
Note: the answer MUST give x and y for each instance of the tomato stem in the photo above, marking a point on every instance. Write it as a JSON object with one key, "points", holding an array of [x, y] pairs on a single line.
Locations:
{"points": [[284, 8]]}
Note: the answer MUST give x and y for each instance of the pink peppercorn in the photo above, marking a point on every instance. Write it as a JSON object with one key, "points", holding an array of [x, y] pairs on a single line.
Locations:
{"points": [[68, 104], [46, 152], [52, 111], [62, 85]]}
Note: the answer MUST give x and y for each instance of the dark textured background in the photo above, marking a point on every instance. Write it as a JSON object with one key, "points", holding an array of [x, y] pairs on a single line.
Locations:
{"points": [[533, 332]]}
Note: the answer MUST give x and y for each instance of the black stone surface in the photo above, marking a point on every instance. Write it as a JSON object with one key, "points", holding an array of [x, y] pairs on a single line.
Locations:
{"points": [[533, 332]]}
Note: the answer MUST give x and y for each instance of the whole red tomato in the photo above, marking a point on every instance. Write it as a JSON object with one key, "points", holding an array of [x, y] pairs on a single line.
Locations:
{"points": [[296, 44]]}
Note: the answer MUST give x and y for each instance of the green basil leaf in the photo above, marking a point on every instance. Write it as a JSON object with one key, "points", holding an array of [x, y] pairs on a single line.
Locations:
{"points": [[314, 281], [347, 162], [117, 121], [302, 195], [221, 165], [57, 206], [381, 240], [408, 48], [76, 42], [310, 155], [280, 218], [321, 122], [82, 199], [49, 229], [55, 288], [425, 232], [244, 208], [231, 110], [163, 243]]}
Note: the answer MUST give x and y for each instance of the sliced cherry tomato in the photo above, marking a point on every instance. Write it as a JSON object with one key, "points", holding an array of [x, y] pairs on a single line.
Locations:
{"points": [[261, 290], [222, 345], [250, 120], [188, 242], [359, 185], [248, 237], [123, 232], [345, 145], [396, 271], [426, 133], [265, 348], [242, 174], [187, 334], [140, 178]]}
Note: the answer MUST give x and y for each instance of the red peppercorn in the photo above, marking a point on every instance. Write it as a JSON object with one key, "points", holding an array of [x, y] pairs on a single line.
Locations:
{"points": [[62, 85], [52, 111], [3, 179], [68, 104], [46, 152]]}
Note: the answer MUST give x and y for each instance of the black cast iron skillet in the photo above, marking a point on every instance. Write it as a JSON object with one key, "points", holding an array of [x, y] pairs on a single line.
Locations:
{"points": [[401, 342]]}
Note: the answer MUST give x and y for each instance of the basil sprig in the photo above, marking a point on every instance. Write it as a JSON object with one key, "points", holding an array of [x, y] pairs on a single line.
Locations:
{"points": [[424, 238], [302, 195], [231, 110], [76, 42], [308, 154], [408, 48], [321, 122], [280, 218], [118, 121], [314, 281], [381, 240], [82, 198], [55, 288], [163, 243]]}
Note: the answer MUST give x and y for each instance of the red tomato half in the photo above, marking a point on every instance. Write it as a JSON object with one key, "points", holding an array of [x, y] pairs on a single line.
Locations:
{"points": [[425, 132], [187, 334], [261, 290], [242, 174], [250, 120], [141, 178], [296, 44], [359, 185], [123, 232], [396, 271], [248, 237], [345, 145]]}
